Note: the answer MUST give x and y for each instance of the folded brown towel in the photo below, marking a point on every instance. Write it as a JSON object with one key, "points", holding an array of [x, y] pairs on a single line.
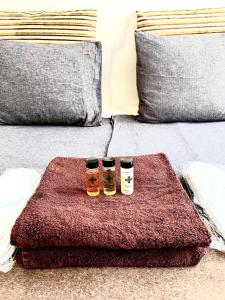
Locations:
{"points": [[57, 257], [158, 215]]}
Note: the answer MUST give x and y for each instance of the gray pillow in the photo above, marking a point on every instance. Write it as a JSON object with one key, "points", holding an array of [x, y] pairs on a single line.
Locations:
{"points": [[50, 83], [180, 78]]}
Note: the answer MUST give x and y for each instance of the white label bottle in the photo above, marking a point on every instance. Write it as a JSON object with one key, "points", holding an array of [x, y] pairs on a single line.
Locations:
{"points": [[127, 176]]}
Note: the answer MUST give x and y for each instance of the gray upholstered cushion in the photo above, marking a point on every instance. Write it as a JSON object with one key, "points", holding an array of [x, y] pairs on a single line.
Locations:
{"points": [[181, 78], [50, 84]]}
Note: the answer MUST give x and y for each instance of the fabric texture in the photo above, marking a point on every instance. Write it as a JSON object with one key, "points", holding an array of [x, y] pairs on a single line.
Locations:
{"points": [[181, 142], [180, 22], [207, 183], [48, 26], [158, 215], [35, 146], [180, 78], [50, 84], [58, 257], [16, 187]]}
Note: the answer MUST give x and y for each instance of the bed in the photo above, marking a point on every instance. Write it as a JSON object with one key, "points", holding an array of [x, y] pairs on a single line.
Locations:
{"points": [[122, 135], [28, 146]]}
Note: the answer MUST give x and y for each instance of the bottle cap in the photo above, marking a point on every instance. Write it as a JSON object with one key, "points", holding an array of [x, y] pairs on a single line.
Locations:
{"points": [[127, 162], [108, 162], [92, 163]]}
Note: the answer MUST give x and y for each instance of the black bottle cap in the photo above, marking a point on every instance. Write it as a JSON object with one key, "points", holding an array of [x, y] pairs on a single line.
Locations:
{"points": [[92, 163], [127, 163], [108, 162]]}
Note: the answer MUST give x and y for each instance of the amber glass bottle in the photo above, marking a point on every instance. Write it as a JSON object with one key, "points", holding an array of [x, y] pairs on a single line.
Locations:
{"points": [[92, 177], [109, 176]]}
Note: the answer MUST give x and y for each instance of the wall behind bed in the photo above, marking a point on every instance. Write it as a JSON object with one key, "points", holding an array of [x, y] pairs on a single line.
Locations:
{"points": [[116, 25]]}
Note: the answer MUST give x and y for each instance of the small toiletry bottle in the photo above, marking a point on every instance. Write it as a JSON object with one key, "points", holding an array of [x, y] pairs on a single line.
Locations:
{"points": [[109, 176], [92, 177], [127, 175]]}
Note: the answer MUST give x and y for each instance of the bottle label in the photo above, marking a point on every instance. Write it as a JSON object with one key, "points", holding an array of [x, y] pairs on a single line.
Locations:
{"points": [[109, 178], [127, 181], [92, 180]]}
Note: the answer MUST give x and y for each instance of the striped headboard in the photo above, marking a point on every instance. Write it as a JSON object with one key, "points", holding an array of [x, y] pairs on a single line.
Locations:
{"points": [[182, 22], [49, 27]]}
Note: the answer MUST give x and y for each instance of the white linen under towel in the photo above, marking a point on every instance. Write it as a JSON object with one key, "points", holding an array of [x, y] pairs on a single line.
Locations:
{"points": [[16, 188], [207, 181]]}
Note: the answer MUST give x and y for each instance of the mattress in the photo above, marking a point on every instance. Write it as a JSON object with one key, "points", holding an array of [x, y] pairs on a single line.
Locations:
{"points": [[181, 142], [35, 146]]}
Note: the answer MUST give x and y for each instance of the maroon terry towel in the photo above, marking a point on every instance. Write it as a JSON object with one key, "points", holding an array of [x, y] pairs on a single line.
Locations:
{"points": [[158, 215], [58, 257]]}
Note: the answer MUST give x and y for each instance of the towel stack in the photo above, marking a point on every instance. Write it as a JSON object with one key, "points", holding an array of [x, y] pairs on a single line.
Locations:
{"points": [[16, 187], [156, 226]]}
